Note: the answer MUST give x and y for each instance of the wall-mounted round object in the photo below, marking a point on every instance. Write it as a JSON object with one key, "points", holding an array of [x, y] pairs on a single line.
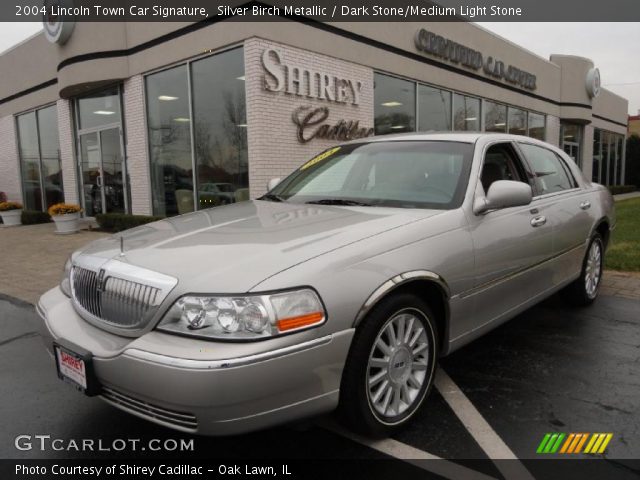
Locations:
{"points": [[593, 82], [58, 26]]}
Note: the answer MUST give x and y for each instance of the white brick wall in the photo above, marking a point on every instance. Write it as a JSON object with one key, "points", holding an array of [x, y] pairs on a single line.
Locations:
{"points": [[136, 147], [9, 160], [274, 150], [67, 152]]}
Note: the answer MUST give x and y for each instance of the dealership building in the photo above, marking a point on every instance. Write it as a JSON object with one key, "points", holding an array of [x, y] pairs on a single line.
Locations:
{"points": [[166, 118]]}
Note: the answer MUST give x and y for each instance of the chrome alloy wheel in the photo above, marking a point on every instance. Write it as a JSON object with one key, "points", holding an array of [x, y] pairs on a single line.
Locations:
{"points": [[593, 269], [397, 366]]}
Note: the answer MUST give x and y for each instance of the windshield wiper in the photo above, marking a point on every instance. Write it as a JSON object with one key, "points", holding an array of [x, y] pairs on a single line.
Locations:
{"points": [[339, 201], [272, 197]]}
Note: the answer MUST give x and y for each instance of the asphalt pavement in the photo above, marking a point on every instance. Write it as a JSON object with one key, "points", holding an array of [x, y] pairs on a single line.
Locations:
{"points": [[553, 368]]}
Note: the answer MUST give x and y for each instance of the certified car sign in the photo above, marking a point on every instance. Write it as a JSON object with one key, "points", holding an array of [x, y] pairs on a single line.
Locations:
{"points": [[57, 28], [593, 82]]}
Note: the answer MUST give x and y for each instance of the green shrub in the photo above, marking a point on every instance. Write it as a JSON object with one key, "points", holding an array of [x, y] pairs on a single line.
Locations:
{"points": [[33, 217], [617, 189], [116, 222]]}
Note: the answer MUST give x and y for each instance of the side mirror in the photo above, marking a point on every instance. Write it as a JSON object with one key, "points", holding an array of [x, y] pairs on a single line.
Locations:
{"points": [[271, 184], [504, 194]]}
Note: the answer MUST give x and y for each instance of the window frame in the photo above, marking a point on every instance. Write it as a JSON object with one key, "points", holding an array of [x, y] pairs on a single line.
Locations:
{"points": [[522, 166]]}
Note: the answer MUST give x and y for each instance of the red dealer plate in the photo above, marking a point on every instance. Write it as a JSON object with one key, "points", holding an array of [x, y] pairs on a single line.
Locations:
{"points": [[71, 367]]}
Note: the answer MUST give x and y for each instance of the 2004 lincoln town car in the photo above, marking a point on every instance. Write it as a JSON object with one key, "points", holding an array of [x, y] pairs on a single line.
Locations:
{"points": [[341, 287]]}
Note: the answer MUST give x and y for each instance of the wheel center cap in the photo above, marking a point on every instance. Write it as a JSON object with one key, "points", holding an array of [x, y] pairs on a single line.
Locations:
{"points": [[400, 365]]}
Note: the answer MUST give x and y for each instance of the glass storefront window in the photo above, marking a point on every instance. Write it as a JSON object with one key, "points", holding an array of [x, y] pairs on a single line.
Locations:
{"points": [[395, 105], [466, 113], [604, 175], [570, 141], [220, 129], [611, 179], [536, 124], [495, 117], [38, 144], [434, 109], [98, 109], [170, 141], [619, 148], [597, 155], [517, 120]]}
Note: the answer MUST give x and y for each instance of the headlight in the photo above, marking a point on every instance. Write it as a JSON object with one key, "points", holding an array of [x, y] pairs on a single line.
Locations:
{"points": [[248, 317], [65, 283]]}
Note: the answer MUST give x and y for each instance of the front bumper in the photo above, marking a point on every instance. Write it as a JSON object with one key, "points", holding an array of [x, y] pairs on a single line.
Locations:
{"points": [[203, 390]]}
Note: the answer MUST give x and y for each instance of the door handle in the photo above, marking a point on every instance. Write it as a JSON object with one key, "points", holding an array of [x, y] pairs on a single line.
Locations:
{"points": [[99, 180], [538, 221], [585, 205]]}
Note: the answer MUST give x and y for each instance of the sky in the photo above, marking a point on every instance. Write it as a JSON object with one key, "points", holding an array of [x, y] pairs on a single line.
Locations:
{"points": [[613, 47]]}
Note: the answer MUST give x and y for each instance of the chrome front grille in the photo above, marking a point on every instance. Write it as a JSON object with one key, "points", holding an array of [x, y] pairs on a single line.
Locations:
{"points": [[122, 303], [182, 420]]}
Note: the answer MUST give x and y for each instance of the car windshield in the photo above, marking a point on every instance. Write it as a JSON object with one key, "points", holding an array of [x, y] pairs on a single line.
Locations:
{"points": [[406, 174]]}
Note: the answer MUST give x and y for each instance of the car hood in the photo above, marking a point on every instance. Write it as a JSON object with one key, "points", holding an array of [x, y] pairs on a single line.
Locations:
{"points": [[232, 248]]}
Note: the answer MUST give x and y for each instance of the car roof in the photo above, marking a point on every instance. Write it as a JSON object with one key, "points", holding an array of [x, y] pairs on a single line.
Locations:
{"points": [[467, 137]]}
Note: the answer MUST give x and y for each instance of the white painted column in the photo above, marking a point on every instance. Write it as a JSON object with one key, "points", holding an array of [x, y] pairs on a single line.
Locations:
{"points": [[10, 182]]}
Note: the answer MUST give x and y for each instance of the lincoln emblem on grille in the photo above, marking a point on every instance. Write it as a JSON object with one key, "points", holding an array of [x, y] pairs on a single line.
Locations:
{"points": [[100, 281]]}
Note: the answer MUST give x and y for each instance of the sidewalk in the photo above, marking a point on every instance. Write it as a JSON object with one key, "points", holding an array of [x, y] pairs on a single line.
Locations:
{"points": [[33, 257], [626, 196]]}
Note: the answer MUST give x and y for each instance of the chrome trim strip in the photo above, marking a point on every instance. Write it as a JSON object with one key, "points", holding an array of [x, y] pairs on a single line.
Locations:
{"points": [[192, 364], [395, 282], [492, 283]]}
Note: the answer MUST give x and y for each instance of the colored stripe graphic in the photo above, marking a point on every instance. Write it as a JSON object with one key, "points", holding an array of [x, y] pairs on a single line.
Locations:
{"points": [[573, 443]]}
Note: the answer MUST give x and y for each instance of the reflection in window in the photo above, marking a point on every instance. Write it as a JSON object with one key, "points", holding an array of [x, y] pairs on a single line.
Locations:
{"points": [[604, 176], [395, 105], [550, 175], [220, 129], [495, 117], [38, 144], [100, 108], [619, 147], [466, 113], [170, 141], [434, 109], [536, 125], [517, 121]]}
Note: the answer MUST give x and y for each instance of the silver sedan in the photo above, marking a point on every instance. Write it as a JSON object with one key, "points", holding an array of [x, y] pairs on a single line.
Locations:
{"points": [[339, 288]]}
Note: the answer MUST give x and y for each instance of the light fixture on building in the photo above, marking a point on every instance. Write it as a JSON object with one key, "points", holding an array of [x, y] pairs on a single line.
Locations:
{"points": [[397, 127], [391, 104], [167, 98], [501, 124], [104, 112], [471, 119], [243, 125], [240, 78], [181, 119]]}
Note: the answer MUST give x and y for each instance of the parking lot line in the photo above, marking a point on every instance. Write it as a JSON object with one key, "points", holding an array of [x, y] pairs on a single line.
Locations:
{"points": [[409, 454], [479, 428]]}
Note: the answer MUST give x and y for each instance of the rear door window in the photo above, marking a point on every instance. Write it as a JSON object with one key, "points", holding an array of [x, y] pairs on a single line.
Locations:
{"points": [[550, 175]]}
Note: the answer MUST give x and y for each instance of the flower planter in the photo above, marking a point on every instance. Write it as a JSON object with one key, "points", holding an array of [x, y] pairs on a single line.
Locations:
{"points": [[67, 223], [11, 218]]}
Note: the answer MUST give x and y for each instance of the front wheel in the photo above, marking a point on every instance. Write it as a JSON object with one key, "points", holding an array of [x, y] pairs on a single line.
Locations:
{"points": [[585, 289], [391, 366]]}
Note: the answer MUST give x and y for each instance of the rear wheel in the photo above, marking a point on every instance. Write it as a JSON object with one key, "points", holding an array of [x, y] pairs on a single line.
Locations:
{"points": [[390, 367], [585, 289]]}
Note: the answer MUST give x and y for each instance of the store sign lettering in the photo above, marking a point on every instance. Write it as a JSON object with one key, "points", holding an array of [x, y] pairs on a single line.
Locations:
{"points": [[453, 52], [311, 124], [303, 82]]}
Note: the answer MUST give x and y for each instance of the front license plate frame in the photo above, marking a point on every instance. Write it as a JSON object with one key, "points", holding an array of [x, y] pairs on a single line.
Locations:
{"points": [[74, 365]]}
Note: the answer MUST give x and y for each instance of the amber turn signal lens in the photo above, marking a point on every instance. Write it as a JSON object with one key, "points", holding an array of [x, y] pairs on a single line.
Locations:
{"points": [[293, 323]]}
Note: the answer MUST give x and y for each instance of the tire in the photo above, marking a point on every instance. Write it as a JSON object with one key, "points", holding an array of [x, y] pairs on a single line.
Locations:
{"points": [[407, 368], [584, 290]]}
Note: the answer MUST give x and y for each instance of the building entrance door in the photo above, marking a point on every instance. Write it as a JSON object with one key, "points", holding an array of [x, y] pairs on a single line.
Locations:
{"points": [[103, 173], [572, 149]]}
